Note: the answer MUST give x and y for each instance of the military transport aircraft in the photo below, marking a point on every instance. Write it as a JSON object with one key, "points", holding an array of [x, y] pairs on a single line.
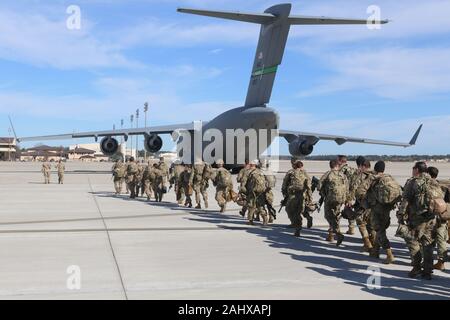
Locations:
{"points": [[275, 24]]}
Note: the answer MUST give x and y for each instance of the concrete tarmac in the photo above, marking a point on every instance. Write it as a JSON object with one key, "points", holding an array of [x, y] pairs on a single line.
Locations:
{"points": [[134, 249]]}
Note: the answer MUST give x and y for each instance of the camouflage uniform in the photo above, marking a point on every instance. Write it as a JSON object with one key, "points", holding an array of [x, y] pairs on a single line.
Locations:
{"points": [[271, 181], [421, 223], [46, 169], [255, 198], [148, 178], [158, 183], [442, 234], [119, 170], [176, 182], [132, 172], [363, 182], [186, 180], [224, 187], [296, 189], [241, 178], [351, 174], [200, 177], [60, 167], [139, 176], [333, 206], [162, 166]]}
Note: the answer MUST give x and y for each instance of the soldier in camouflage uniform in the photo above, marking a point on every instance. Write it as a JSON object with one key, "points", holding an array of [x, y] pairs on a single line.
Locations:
{"points": [[175, 181], [118, 170], [441, 227], [200, 177], [254, 189], [224, 185], [351, 174], [186, 181], [132, 180], [382, 196], [363, 182], [148, 179], [139, 179], [242, 176], [334, 188], [60, 167], [296, 189], [46, 170], [418, 192], [158, 183], [271, 182], [164, 169]]}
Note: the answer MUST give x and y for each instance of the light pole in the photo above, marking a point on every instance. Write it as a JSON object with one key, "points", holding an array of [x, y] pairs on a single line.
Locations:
{"points": [[131, 136], [137, 140], [145, 125], [9, 144], [121, 141]]}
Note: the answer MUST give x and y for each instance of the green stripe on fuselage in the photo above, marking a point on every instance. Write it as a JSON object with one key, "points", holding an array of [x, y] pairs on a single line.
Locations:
{"points": [[263, 71]]}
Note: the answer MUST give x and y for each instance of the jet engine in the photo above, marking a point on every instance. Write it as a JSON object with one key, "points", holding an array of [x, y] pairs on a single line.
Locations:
{"points": [[300, 147], [153, 143], [109, 146]]}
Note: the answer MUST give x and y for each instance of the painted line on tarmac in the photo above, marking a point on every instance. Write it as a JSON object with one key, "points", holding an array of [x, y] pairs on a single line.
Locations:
{"points": [[109, 238]]}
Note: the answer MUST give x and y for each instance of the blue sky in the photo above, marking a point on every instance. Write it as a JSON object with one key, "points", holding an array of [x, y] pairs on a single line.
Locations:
{"points": [[345, 80]]}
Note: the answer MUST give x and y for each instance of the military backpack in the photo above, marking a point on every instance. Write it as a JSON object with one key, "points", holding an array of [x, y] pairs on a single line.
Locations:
{"points": [[387, 191], [256, 182], [427, 190], [336, 187], [297, 181]]}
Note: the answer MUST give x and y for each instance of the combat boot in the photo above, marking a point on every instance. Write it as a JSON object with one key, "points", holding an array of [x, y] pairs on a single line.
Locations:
{"points": [[309, 222], [198, 206], [270, 219], [265, 220], [440, 265], [330, 237], [222, 209], [375, 252], [367, 245], [206, 204], [297, 233], [340, 238], [351, 230], [416, 270], [242, 213], [389, 257]]}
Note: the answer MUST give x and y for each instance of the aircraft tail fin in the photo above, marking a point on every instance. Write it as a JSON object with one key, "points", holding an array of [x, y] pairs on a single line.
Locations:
{"points": [[275, 24]]}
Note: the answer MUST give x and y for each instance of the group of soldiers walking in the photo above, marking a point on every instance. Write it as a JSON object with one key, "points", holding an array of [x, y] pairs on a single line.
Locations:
{"points": [[363, 196], [47, 169]]}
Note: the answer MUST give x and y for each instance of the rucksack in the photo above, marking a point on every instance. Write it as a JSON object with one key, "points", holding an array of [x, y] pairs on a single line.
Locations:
{"points": [[297, 181], [271, 181], [256, 182], [387, 190], [223, 178], [119, 171], [427, 190], [364, 186], [336, 187]]}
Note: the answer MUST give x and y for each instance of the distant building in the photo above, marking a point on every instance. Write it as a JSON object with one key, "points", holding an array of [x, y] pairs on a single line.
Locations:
{"points": [[80, 153], [42, 153], [7, 148]]}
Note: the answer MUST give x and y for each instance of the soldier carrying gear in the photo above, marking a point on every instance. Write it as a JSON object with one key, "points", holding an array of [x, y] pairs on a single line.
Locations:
{"points": [[351, 174], [164, 169], [383, 195], [242, 176], [148, 178], [175, 181], [61, 168], [441, 225], [186, 179], [46, 169], [119, 173], [271, 181], [224, 185], [201, 174], [158, 183], [334, 189], [255, 188], [418, 195], [296, 190], [132, 179], [139, 179]]}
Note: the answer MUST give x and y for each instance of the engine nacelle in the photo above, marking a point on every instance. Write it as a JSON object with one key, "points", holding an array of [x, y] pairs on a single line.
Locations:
{"points": [[300, 147], [153, 143], [109, 146]]}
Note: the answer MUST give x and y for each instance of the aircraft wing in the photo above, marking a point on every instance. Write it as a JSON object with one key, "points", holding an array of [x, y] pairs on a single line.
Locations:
{"points": [[168, 129], [313, 138]]}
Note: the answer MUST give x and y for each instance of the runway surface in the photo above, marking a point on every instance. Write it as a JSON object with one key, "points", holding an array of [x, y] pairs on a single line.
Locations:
{"points": [[134, 249]]}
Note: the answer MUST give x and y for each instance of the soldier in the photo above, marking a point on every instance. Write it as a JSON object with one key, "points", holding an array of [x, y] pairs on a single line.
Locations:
{"points": [[417, 197], [124, 180], [441, 229], [46, 169], [148, 179], [362, 209], [158, 183], [382, 196], [139, 178], [60, 167], [175, 181], [254, 189], [164, 170], [297, 193], [119, 172], [186, 180], [271, 181], [351, 174], [242, 176], [334, 189], [224, 185], [200, 177], [132, 172]]}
